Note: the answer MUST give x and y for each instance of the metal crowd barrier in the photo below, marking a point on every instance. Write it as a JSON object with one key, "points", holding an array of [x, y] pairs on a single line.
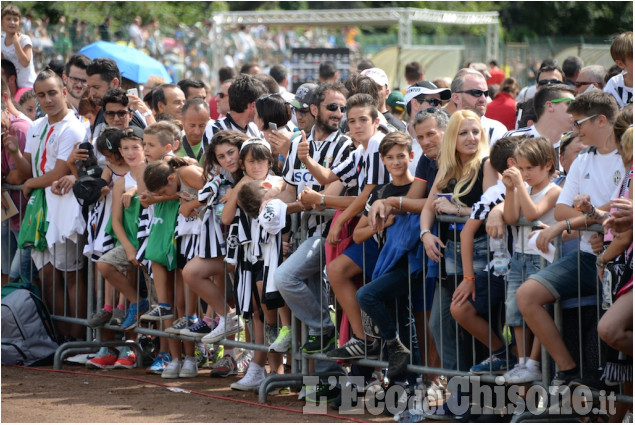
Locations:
{"points": [[299, 361]]}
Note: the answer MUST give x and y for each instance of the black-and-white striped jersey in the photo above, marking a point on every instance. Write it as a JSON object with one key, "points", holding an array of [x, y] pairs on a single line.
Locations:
{"points": [[227, 123], [363, 166], [329, 153]]}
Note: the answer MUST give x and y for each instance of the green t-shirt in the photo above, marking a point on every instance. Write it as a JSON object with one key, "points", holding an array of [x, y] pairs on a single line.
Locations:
{"points": [[196, 150]]}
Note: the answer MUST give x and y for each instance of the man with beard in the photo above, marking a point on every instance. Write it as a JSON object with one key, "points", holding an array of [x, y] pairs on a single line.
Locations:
{"points": [[299, 278], [75, 79]]}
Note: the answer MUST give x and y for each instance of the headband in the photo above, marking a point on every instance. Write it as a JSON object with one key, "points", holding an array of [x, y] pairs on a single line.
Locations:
{"points": [[255, 141]]}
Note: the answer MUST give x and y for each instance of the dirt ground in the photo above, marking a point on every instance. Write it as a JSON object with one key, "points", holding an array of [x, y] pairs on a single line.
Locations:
{"points": [[77, 395]]}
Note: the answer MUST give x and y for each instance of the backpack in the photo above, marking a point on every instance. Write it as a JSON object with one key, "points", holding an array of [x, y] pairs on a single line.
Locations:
{"points": [[28, 336]]}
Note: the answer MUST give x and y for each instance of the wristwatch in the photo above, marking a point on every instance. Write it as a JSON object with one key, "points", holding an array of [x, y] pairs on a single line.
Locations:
{"points": [[423, 232], [323, 201]]}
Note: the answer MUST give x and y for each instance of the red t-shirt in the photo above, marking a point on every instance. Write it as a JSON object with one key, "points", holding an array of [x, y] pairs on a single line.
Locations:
{"points": [[503, 109]]}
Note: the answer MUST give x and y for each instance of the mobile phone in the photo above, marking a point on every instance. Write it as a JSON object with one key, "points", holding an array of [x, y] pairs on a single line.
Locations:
{"points": [[273, 126], [133, 92]]}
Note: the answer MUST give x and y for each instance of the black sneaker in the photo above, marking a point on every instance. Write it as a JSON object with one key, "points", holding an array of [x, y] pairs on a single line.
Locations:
{"points": [[398, 359], [315, 343], [197, 330], [596, 383], [356, 349], [323, 392]]}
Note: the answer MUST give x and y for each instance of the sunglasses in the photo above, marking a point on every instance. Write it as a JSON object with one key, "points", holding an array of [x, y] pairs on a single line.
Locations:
{"points": [[475, 92], [81, 81], [433, 102], [300, 111], [221, 95], [121, 113], [548, 82], [577, 124], [560, 99], [334, 107], [579, 84]]}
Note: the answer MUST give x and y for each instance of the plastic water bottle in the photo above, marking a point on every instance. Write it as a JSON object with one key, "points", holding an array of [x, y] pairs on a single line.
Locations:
{"points": [[410, 416], [219, 207], [501, 262]]}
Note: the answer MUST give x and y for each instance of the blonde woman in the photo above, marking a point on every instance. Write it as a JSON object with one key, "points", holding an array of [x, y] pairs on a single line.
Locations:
{"points": [[464, 174]]}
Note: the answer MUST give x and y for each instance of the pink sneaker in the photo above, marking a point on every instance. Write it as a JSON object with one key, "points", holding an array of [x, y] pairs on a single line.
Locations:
{"points": [[126, 360]]}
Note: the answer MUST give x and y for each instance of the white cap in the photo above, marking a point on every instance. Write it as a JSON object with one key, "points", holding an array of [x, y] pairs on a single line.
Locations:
{"points": [[378, 75]]}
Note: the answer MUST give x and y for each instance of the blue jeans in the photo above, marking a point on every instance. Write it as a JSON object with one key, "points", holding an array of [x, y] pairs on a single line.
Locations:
{"points": [[22, 265], [299, 281], [387, 296], [9, 245]]}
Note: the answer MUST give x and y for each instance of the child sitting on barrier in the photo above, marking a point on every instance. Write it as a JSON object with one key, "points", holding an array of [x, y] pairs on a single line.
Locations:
{"points": [[99, 241], [119, 265], [536, 160], [205, 273], [364, 170], [481, 294], [596, 172]]}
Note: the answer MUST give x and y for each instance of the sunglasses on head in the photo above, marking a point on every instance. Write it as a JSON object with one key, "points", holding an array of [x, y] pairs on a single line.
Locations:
{"points": [[300, 111], [334, 107], [548, 82], [560, 99], [427, 111], [121, 113], [433, 102], [579, 84], [475, 92]]}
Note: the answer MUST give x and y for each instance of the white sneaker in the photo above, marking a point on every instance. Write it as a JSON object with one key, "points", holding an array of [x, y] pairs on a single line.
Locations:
{"points": [[80, 358], [229, 325], [189, 368], [521, 374], [252, 379], [172, 370]]}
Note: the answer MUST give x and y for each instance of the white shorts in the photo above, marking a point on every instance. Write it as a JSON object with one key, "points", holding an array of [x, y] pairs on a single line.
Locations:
{"points": [[66, 256]]}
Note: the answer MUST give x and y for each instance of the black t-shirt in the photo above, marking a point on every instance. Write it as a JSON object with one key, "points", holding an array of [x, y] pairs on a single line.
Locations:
{"points": [[426, 171], [385, 191]]}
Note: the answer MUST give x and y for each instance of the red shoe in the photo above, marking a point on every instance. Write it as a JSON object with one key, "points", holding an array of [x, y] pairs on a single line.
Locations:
{"points": [[103, 361], [126, 361]]}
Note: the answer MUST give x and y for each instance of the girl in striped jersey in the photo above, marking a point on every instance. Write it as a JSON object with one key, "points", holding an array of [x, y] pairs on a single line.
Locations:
{"points": [[247, 240], [205, 273]]}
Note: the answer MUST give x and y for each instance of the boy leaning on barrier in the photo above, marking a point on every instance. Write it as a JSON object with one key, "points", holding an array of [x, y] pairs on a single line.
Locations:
{"points": [[596, 172]]}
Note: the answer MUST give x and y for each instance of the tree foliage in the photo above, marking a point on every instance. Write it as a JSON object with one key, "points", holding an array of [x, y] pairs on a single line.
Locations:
{"points": [[519, 19]]}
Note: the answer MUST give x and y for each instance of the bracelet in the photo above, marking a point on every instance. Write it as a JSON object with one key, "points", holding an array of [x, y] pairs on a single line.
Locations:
{"points": [[566, 220], [146, 114], [592, 212], [458, 209], [15, 151], [323, 201], [400, 202], [468, 277]]}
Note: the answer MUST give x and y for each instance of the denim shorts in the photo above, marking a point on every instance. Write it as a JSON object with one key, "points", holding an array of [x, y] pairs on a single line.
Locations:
{"points": [[522, 266], [561, 277], [453, 264]]}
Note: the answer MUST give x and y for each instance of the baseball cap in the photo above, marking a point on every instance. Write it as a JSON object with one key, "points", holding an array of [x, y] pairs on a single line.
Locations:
{"points": [[395, 100], [304, 96], [425, 87], [132, 131], [378, 75]]}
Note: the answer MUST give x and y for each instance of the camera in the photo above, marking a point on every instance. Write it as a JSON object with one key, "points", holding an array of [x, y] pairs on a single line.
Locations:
{"points": [[88, 167]]}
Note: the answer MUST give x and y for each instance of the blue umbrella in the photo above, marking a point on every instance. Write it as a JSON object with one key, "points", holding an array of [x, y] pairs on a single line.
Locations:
{"points": [[133, 64]]}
